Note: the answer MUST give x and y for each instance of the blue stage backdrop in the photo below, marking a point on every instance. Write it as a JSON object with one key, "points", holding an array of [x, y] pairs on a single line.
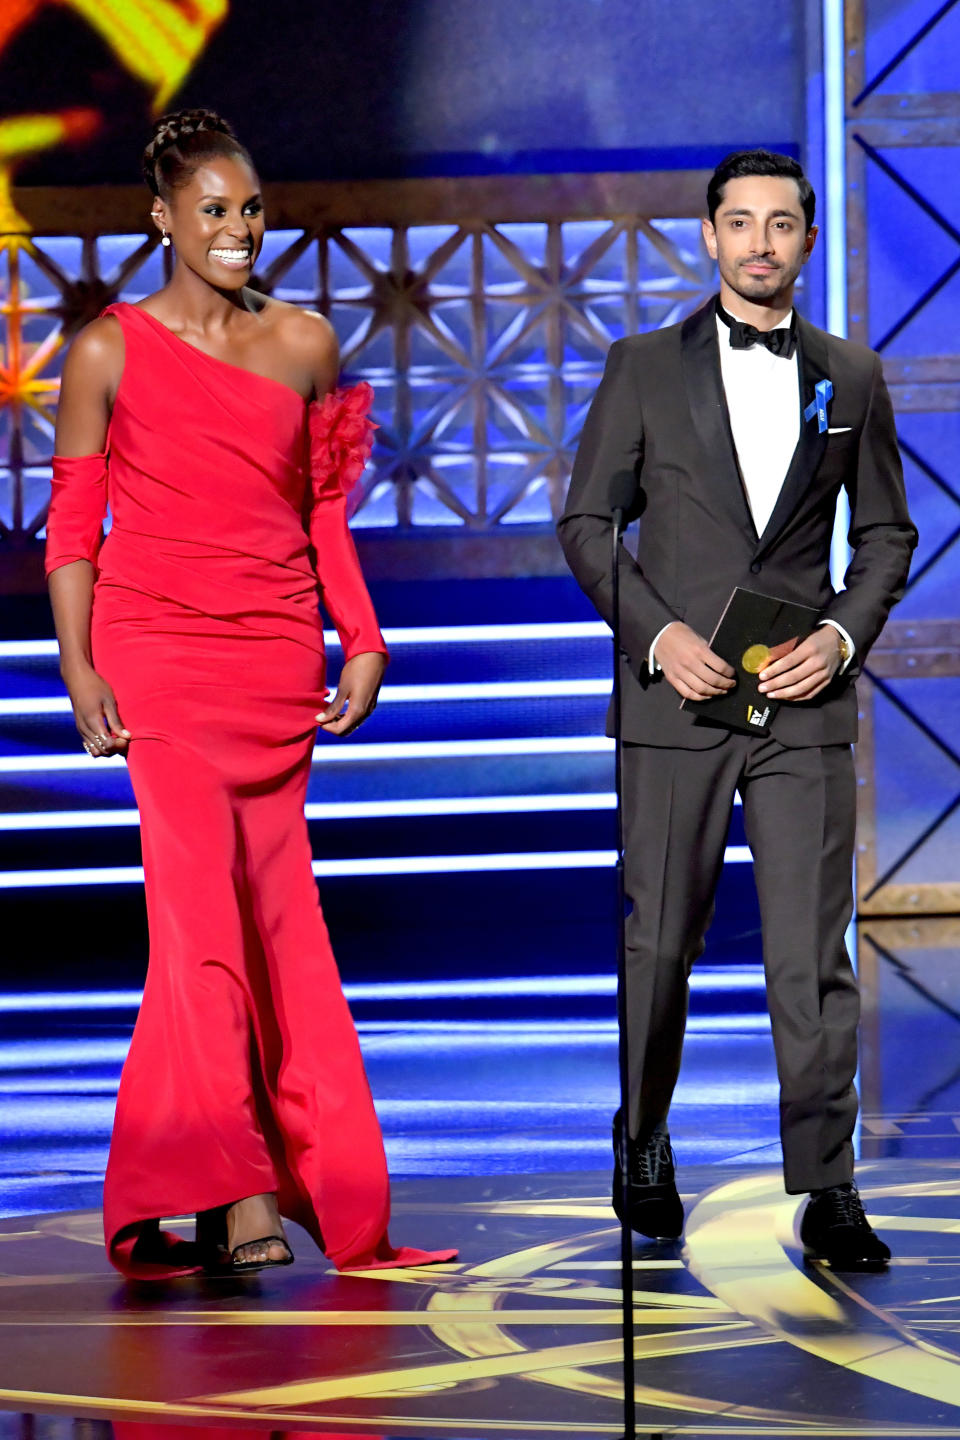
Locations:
{"points": [[466, 836], [903, 214], [484, 333]]}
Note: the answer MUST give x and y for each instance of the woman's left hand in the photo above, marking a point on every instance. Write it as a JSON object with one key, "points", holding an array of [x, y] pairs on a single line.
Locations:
{"points": [[356, 697]]}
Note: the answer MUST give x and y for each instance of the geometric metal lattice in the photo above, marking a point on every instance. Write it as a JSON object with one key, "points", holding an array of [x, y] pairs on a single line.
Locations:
{"points": [[909, 973], [49, 289], [903, 223], [484, 344], [909, 763]]}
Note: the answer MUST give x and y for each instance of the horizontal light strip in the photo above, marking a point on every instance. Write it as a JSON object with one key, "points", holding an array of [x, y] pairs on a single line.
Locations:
{"points": [[488, 1032], [42, 764], [431, 807], [37, 705], [706, 977], [390, 694], [364, 866], [395, 635], [56, 1000], [458, 634], [37, 1107], [332, 752], [37, 879], [28, 649], [464, 864], [47, 1054], [481, 864], [69, 820]]}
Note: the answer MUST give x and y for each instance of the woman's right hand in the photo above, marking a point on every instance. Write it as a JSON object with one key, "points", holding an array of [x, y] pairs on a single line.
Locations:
{"points": [[96, 714]]}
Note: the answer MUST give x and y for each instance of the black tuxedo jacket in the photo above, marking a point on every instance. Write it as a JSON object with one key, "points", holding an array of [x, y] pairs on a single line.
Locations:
{"points": [[660, 411]]}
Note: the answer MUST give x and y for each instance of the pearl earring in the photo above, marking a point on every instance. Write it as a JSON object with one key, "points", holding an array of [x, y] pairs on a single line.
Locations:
{"points": [[164, 238]]}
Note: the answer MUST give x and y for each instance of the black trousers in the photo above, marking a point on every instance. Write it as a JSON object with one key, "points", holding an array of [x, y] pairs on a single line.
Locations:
{"points": [[799, 815]]}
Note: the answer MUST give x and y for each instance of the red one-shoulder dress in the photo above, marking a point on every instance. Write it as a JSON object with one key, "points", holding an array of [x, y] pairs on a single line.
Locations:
{"points": [[228, 502]]}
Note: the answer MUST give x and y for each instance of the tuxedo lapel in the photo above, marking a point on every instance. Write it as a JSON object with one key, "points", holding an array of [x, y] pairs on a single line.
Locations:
{"points": [[812, 356], [708, 410]]}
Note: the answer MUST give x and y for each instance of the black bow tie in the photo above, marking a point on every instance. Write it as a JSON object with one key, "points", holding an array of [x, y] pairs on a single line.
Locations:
{"points": [[743, 336]]}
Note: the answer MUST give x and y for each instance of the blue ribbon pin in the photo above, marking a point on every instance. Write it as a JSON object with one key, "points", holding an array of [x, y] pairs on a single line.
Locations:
{"points": [[818, 405]]}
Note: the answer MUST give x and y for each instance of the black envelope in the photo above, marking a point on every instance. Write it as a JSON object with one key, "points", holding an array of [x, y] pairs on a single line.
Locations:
{"points": [[754, 630]]}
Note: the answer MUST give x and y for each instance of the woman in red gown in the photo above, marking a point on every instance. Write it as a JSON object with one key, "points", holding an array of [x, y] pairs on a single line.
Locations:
{"points": [[191, 642]]}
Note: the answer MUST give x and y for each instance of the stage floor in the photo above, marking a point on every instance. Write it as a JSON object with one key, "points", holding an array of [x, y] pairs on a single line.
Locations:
{"points": [[520, 1337]]}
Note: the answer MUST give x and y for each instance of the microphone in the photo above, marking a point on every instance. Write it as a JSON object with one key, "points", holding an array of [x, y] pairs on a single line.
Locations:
{"points": [[622, 496]]}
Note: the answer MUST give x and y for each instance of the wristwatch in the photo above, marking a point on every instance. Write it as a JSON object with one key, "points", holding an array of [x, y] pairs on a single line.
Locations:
{"points": [[846, 652]]}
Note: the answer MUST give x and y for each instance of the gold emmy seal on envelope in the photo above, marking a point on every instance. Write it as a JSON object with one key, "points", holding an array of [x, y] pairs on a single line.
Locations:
{"points": [[753, 631]]}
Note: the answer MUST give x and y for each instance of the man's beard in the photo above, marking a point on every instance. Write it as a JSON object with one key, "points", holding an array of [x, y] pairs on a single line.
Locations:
{"points": [[758, 288]]}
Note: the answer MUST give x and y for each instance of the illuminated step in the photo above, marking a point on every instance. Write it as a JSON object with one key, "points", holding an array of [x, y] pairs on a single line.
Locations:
{"points": [[704, 977], [395, 635], [358, 749], [550, 860], [348, 810], [389, 695], [462, 655], [434, 779], [465, 720]]}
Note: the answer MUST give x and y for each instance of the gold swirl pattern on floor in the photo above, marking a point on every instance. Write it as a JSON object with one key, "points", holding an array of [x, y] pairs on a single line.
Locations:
{"points": [[735, 1336]]}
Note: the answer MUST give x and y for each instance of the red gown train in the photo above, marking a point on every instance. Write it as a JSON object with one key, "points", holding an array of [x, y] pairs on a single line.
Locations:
{"points": [[244, 1075]]}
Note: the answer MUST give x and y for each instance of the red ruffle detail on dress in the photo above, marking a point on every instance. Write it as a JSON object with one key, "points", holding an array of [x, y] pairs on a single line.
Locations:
{"points": [[341, 439]]}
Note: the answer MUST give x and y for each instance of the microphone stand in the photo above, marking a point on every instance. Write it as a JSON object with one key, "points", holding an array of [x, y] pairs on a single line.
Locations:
{"points": [[623, 1054]]}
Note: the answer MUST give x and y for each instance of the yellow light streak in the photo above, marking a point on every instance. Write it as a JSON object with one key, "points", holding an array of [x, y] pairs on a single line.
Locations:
{"points": [[157, 41]]}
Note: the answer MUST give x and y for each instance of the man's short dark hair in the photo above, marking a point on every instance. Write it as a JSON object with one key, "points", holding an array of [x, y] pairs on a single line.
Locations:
{"points": [[760, 162]]}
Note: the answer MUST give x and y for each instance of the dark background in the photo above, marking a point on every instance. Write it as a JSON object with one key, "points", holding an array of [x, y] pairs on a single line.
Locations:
{"points": [[370, 88]]}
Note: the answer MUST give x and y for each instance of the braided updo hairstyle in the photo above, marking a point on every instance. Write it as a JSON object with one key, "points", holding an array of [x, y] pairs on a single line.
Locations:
{"points": [[181, 142]]}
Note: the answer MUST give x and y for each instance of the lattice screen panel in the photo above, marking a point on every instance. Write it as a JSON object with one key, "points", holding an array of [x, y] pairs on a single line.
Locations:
{"points": [[903, 158], [484, 344], [909, 972]]}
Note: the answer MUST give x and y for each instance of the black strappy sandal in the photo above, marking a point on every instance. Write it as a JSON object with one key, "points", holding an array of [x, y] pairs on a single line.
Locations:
{"points": [[215, 1256], [247, 1267]]}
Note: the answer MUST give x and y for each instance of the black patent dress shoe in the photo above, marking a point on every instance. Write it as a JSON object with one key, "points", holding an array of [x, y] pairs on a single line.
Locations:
{"points": [[655, 1208], [834, 1228]]}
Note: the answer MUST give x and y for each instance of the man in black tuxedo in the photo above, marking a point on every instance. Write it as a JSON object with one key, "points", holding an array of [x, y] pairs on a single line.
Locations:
{"points": [[739, 472]]}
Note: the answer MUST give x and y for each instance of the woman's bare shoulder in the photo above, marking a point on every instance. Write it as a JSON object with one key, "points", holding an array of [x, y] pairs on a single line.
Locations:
{"points": [[99, 343], [304, 331], [97, 351], [91, 378]]}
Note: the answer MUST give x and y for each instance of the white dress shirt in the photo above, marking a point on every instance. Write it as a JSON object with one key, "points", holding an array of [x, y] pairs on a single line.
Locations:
{"points": [[763, 401]]}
